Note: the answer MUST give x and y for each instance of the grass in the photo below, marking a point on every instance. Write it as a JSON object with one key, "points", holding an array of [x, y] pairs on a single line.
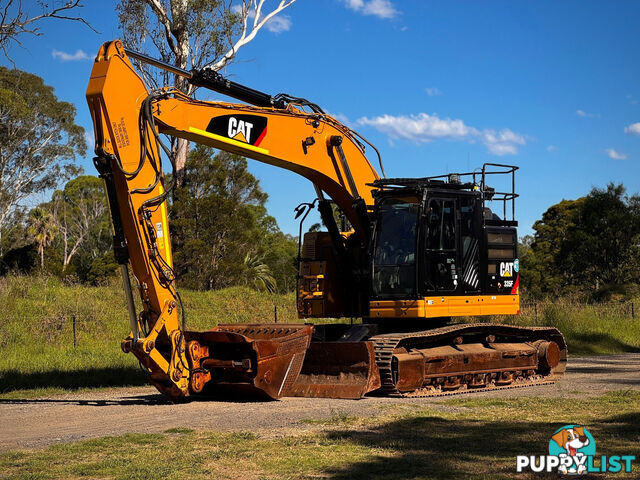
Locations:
{"points": [[336, 417], [37, 355], [461, 438], [36, 331]]}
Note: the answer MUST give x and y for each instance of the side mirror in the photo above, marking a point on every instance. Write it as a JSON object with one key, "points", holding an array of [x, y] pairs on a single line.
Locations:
{"points": [[299, 211]]}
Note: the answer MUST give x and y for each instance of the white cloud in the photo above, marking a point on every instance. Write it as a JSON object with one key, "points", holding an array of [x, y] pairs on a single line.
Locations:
{"points": [[423, 128], [615, 154], [70, 57], [633, 129], [551, 148], [354, 4], [433, 91], [582, 113], [504, 142], [418, 128], [378, 8], [277, 24]]}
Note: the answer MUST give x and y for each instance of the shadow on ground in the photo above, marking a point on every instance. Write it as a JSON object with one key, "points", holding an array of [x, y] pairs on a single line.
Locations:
{"points": [[11, 380], [428, 447], [156, 399]]}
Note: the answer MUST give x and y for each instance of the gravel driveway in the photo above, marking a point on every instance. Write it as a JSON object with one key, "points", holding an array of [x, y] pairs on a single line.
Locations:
{"points": [[40, 422]]}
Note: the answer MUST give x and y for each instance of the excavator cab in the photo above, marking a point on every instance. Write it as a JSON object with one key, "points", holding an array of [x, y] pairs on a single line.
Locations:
{"points": [[438, 237], [437, 250]]}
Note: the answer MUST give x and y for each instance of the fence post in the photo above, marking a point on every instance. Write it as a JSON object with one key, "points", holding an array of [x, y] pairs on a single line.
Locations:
{"points": [[275, 313], [535, 307], [73, 322], [633, 313]]}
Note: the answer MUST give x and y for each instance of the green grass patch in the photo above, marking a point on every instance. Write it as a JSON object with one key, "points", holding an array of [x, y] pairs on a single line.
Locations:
{"points": [[37, 354], [36, 331], [336, 417], [459, 438], [179, 430]]}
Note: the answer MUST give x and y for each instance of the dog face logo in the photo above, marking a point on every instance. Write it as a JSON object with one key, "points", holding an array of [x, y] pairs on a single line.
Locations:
{"points": [[572, 444], [249, 129], [572, 451]]}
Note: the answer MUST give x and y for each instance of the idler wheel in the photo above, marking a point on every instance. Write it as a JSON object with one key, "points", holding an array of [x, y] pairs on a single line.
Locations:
{"points": [[548, 355]]}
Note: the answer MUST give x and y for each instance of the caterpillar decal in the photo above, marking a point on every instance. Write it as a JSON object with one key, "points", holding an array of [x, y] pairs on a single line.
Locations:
{"points": [[249, 129], [506, 269]]}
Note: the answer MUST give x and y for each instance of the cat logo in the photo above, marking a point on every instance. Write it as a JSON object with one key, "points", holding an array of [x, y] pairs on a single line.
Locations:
{"points": [[249, 129], [506, 269], [239, 129]]}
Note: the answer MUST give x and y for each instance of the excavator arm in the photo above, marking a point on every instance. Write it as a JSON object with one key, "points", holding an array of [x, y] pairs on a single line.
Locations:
{"points": [[128, 119]]}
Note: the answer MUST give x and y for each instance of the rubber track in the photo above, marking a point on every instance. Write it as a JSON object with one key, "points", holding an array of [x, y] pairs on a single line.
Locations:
{"points": [[386, 344]]}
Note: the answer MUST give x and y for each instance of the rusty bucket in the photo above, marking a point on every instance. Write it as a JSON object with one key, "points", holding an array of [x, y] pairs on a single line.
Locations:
{"points": [[337, 370], [255, 360]]}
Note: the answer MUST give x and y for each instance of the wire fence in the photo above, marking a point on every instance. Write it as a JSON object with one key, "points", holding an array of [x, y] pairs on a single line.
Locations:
{"points": [[75, 327], [613, 309], [70, 327]]}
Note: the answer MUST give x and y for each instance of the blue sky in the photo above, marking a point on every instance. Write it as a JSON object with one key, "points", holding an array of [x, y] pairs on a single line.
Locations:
{"points": [[438, 86]]}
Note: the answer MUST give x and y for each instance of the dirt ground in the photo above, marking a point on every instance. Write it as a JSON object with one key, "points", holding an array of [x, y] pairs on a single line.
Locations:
{"points": [[32, 423]]}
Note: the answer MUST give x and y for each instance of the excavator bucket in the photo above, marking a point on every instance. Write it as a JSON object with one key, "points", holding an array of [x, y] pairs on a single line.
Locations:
{"points": [[337, 370], [247, 360], [274, 361]]}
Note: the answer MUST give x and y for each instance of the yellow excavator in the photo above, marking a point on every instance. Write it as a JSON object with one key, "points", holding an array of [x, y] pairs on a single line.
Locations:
{"points": [[405, 255]]}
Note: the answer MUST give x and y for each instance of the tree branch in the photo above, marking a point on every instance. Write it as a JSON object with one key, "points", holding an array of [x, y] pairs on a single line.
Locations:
{"points": [[163, 18], [257, 25], [13, 25]]}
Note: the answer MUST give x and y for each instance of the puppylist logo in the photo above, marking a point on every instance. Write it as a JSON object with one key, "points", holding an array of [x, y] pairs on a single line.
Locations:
{"points": [[572, 451]]}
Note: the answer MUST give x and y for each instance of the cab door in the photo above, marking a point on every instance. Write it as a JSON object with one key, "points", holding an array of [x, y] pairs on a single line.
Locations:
{"points": [[440, 240]]}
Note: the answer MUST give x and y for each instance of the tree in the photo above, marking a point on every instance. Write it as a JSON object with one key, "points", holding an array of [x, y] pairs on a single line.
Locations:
{"points": [[258, 274], [18, 251], [220, 229], [585, 245], [39, 139], [15, 21], [191, 34], [71, 234], [542, 271], [80, 213], [601, 246], [280, 254], [82, 242], [42, 228], [14, 233]]}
